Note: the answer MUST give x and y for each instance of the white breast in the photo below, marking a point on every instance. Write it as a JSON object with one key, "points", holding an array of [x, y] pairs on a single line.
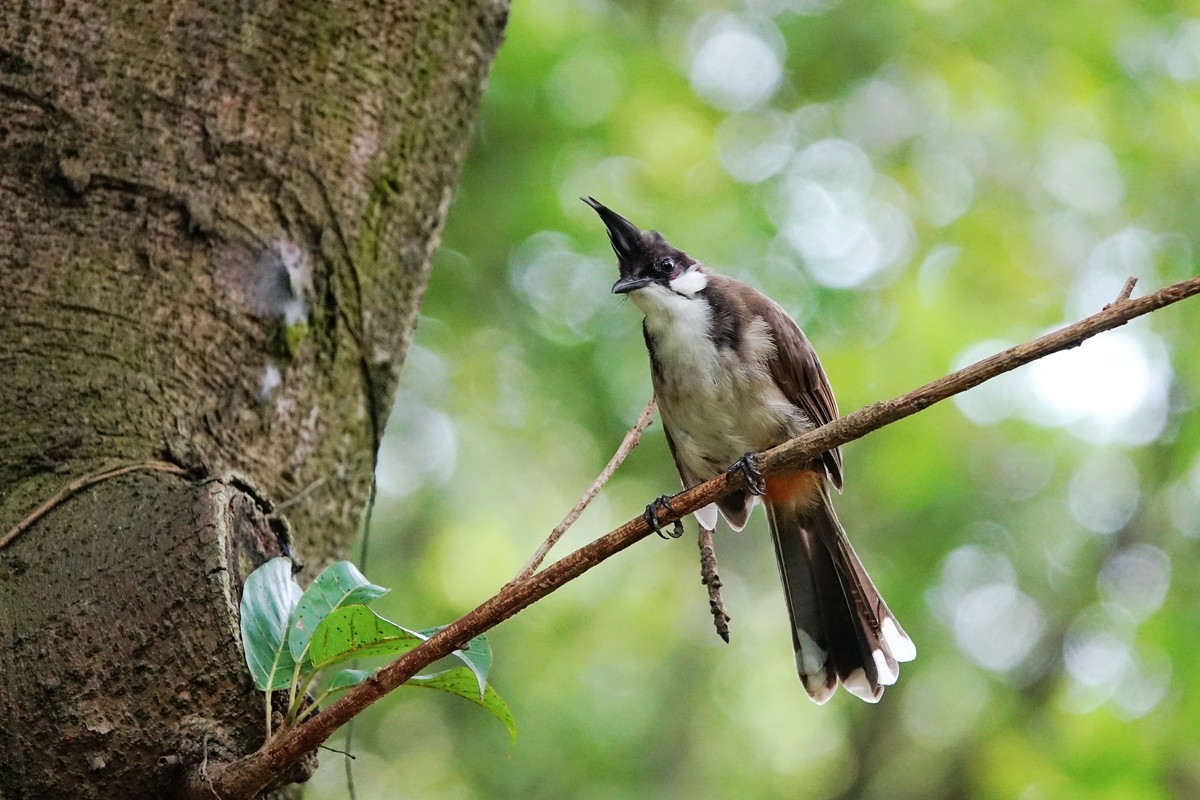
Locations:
{"points": [[717, 405]]}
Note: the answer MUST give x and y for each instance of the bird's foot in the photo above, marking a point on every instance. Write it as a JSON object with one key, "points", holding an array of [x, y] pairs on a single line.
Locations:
{"points": [[748, 466], [651, 517]]}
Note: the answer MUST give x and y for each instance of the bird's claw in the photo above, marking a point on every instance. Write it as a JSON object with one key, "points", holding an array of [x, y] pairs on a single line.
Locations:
{"points": [[651, 517], [748, 466]]}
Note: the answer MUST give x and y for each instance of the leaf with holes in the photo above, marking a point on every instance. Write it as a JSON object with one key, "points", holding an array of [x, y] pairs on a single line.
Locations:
{"points": [[355, 632], [338, 585]]}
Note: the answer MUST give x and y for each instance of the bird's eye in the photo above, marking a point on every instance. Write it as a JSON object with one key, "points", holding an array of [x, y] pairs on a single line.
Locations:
{"points": [[665, 266]]}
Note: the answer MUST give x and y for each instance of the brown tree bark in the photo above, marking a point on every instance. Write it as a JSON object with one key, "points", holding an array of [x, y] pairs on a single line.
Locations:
{"points": [[216, 225]]}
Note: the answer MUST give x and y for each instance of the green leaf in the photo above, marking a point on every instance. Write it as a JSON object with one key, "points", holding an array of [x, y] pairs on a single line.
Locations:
{"points": [[462, 682], [346, 678], [339, 584], [355, 632], [477, 656], [268, 599]]}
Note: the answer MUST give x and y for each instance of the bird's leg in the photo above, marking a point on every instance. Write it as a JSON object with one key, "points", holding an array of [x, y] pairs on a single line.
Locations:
{"points": [[748, 466], [651, 517]]}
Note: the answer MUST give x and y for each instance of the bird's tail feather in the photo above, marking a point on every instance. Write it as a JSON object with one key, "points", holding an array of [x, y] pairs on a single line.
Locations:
{"points": [[841, 627]]}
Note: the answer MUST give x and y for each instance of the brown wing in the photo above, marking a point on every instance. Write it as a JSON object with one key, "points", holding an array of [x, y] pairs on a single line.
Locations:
{"points": [[798, 372]]}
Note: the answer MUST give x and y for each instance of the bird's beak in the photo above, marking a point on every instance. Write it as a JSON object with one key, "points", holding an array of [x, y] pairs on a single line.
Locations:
{"points": [[626, 285], [626, 237]]}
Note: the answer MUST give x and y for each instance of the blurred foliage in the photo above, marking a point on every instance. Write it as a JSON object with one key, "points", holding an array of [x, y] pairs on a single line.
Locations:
{"points": [[919, 183]]}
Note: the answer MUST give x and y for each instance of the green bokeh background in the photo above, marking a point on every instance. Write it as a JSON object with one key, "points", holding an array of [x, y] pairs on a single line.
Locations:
{"points": [[919, 183]]}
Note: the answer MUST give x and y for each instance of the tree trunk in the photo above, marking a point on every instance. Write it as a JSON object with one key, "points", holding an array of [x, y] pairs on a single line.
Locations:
{"points": [[216, 225]]}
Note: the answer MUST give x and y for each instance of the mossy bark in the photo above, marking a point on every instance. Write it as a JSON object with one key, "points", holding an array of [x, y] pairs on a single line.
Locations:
{"points": [[216, 225]]}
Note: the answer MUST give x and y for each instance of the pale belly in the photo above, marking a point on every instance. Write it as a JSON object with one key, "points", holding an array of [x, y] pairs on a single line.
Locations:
{"points": [[717, 410], [717, 404]]}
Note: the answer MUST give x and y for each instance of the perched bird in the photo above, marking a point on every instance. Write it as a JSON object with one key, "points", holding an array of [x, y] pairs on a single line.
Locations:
{"points": [[734, 375]]}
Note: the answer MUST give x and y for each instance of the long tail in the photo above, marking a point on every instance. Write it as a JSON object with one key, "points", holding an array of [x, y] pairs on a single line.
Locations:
{"points": [[841, 628]]}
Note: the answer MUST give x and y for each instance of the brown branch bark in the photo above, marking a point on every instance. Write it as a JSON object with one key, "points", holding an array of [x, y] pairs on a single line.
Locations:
{"points": [[244, 777]]}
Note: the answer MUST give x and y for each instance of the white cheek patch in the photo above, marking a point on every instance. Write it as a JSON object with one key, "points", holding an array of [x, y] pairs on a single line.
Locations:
{"points": [[690, 282]]}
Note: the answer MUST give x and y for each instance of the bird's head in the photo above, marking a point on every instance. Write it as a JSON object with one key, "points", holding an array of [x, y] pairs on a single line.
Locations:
{"points": [[645, 261]]}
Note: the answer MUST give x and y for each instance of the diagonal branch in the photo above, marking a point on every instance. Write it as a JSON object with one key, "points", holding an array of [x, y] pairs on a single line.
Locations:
{"points": [[246, 776]]}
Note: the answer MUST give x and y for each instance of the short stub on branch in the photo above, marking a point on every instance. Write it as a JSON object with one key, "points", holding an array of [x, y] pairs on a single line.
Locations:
{"points": [[710, 578]]}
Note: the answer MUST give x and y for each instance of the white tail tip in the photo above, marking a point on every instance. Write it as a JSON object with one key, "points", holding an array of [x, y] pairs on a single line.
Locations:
{"points": [[897, 641]]}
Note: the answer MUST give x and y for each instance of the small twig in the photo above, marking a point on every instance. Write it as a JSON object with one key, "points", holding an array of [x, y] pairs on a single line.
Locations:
{"points": [[345, 753], [204, 770], [1126, 292], [710, 578], [348, 762], [627, 444], [78, 485]]}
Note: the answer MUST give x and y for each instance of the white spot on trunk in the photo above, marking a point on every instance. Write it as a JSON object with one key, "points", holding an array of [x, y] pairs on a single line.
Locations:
{"points": [[271, 378]]}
